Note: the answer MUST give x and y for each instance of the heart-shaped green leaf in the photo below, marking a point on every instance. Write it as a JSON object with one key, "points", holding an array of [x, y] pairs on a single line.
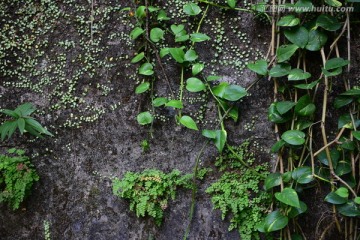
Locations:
{"points": [[162, 16], [190, 55], [220, 139], [333, 198], [335, 63], [328, 22], [298, 36], [294, 137], [317, 40], [156, 34], [157, 102], [197, 68], [307, 86], [304, 106], [192, 9], [175, 104], [195, 85], [136, 32], [284, 107], [145, 118], [342, 101], [138, 57], [199, 37], [143, 87], [178, 54], [280, 70], [288, 196], [294, 212], [298, 74], [188, 122], [288, 21], [285, 52], [146, 69], [273, 222], [260, 67], [272, 180], [303, 175]]}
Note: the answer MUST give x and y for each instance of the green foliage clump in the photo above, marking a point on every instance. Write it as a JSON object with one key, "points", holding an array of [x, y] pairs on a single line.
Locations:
{"points": [[237, 193], [150, 191], [17, 176], [235, 159], [21, 119]]}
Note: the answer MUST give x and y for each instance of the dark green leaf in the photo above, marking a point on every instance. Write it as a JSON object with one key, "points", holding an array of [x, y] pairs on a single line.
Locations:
{"points": [[335, 199], [351, 92], [298, 36], [277, 146], [298, 74], [234, 93], [349, 209], [334, 3], [343, 168], [272, 180], [307, 86], [285, 106], [25, 109], [289, 197], [303, 6], [273, 222], [285, 52], [293, 137], [304, 106], [342, 101], [356, 135], [275, 117], [288, 21], [280, 70], [317, 40], [260, 67], [294, 212], [21, 125], [303, 175], [328, 22], [335, 63]]}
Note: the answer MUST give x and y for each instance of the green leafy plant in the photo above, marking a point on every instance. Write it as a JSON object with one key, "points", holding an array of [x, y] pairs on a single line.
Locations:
{"points": [[17, 176], [150, 191], [238, 193], [21, 119]]}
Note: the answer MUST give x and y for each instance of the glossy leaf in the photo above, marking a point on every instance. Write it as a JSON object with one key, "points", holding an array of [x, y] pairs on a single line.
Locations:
{"points": [[274, 115], [197, 68], [294, 212], [143, 87], [260, 67], [343, 168], [280, 70], [317, 40], [157, 102], [288, 21], [342, 192], [146, 69], [195, 85], [285, 106], [334, 198], [285, 52], [304, 106], [272, 180], [293, 137], [334, 3], [156, 34], [192, 9], [273, 222], [190, 56], [299, 36], [356, 134], [175, 104], [328, 22], [220, 139], [277, 146], [349, 209], [335, 63], [145, 118], [136, 32], [289, 197], [342, 101], [199, 37], [303, 175], [138, 57], [307, 86], [188, 122], [298, 74]]}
